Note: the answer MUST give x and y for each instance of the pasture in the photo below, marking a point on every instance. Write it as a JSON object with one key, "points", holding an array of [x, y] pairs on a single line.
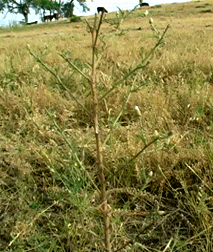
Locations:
{"points": [[156, 131]]}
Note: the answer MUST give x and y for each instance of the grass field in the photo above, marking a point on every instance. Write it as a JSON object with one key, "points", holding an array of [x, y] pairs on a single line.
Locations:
{"points": [[156, 129]]}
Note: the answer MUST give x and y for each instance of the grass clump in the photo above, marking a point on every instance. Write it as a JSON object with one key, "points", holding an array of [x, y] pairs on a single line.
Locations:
{"points": [[75, 18], [206, 11]]}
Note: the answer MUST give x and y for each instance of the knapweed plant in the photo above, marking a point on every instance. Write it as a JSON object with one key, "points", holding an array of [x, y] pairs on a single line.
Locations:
{"points": [[98, 96]]}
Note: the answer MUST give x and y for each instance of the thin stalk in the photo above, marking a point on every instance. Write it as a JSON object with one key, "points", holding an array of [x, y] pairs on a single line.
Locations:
{"points": [[104, 206]]}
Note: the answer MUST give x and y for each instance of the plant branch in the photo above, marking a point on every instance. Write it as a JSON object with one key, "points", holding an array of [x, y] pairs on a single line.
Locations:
{"points": [[104, 205], [75, 67], [139, 66], [57, 78], [142, 150]]}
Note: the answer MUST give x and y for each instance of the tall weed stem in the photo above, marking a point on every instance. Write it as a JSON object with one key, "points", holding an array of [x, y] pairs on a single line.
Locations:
{"points": [[104, 206]]}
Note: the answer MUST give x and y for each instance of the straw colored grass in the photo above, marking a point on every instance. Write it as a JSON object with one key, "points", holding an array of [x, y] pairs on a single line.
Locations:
{"points": [[161, 200]]}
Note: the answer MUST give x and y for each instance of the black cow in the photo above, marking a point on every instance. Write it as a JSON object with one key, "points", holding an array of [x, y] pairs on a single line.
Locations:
{"points": [[50, 17], [56, 16], [36, 22], [144, 4], [101, 9]]}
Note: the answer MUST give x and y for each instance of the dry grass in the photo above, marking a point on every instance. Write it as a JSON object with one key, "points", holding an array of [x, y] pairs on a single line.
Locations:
{"points": [[48, 177]]}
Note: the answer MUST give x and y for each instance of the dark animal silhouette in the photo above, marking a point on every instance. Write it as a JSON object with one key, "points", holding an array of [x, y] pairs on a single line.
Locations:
{"points": [[36, 22], [56, 16], [50, 17], [101, 9], [144, 4]]}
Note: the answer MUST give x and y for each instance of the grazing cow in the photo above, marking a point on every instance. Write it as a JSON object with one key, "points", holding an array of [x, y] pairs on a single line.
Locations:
{"points": [[56, 16], [101, 9], [36, 22], [144, 5], [50, 17]]}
